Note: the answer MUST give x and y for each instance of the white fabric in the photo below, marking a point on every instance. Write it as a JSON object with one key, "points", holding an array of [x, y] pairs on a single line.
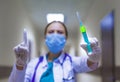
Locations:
{"points": [[66, 71]]}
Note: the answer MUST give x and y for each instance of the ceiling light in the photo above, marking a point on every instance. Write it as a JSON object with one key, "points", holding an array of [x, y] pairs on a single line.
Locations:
{"points": [[55, 17]]}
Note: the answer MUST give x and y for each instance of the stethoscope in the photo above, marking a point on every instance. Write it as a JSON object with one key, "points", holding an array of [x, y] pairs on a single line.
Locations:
{"points": [[41, 59]]}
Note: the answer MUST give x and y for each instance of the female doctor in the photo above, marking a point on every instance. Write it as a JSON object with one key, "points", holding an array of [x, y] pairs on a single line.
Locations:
{"points": [[56, 65]]}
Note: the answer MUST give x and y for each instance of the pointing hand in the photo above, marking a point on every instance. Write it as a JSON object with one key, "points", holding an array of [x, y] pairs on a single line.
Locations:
{"points": [[23, 51]]}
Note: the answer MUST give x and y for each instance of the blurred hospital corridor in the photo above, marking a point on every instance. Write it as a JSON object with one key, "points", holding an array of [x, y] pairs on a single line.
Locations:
{"points": [[101, 18]]}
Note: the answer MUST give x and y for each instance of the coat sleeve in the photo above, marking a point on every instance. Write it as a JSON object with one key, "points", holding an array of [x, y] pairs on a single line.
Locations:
{"points": [[17, 75], [24, 75], [80, 64]]}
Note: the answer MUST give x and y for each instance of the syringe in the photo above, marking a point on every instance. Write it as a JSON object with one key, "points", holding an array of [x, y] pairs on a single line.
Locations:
{"points": [[84, 33]]}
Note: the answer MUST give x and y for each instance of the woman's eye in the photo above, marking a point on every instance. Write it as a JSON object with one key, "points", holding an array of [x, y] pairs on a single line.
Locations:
{"points": [[51, 31], [60, 32]]}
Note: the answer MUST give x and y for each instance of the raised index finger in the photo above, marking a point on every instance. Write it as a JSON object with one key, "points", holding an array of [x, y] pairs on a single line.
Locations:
{"points": [[25, 39]]}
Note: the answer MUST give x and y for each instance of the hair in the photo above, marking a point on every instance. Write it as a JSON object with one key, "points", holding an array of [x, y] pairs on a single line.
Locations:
{"points": [[66, 32]]}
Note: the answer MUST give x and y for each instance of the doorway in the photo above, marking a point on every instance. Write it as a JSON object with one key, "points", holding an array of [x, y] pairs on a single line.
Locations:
{"points": [[108, 55]]}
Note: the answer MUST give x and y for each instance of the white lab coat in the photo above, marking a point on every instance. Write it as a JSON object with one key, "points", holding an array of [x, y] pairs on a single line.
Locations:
{"points": [[62, 73]]}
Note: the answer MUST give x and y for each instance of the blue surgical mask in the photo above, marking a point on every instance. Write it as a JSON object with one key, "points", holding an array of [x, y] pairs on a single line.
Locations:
{"points": [[55, 42]]}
